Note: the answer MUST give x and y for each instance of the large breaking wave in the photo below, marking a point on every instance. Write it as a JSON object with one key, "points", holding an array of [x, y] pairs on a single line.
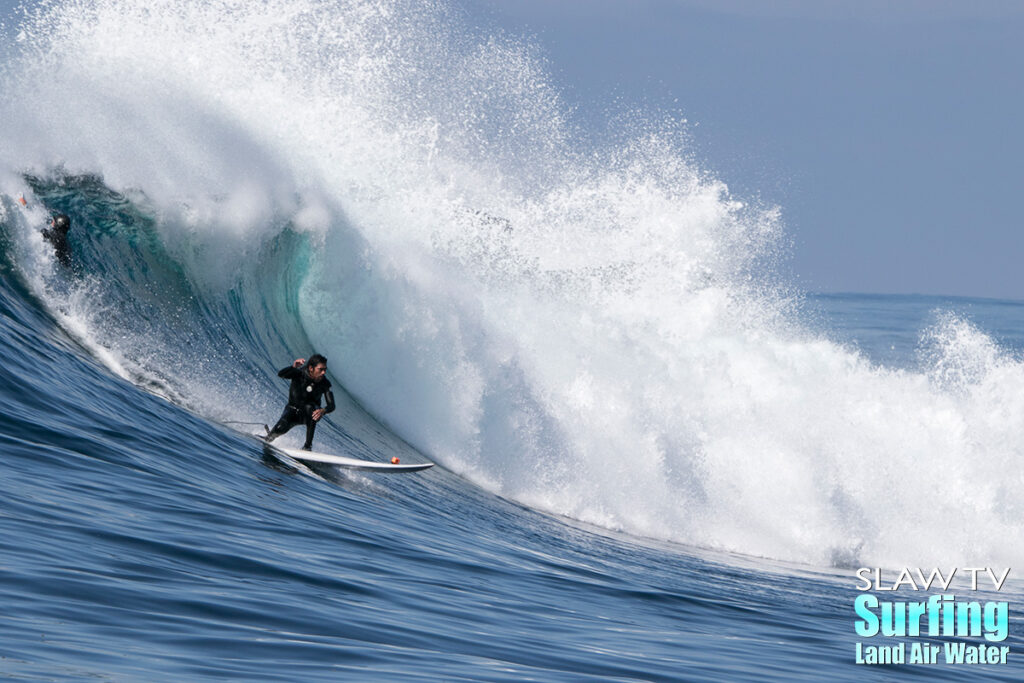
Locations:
{"points": [[593, 330]]}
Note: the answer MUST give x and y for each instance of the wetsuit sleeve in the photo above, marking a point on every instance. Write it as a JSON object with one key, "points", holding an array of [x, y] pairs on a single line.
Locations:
{"points": [[288, 372], [329, 396]]}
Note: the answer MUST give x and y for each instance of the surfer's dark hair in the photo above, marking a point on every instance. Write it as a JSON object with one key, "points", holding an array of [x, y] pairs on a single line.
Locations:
{"points": [[61, 222], [316, 359]]}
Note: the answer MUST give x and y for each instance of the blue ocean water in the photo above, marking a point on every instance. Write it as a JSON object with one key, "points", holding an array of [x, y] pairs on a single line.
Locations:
{"points": [[656, 460], [143, 542]]}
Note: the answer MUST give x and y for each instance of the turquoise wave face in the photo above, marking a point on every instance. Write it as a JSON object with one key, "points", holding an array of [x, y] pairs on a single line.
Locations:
{"points": [[127, 293], [136, 300]]}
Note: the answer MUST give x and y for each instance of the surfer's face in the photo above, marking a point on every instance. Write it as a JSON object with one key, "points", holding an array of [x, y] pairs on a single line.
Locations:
{"points": [[316, 372]]}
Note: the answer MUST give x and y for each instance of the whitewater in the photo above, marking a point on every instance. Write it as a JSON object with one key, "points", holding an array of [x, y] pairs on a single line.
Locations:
{"points": [[592, 337]]}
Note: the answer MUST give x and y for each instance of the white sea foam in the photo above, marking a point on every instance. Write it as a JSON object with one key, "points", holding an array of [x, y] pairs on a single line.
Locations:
{"points": [[594, 332]]}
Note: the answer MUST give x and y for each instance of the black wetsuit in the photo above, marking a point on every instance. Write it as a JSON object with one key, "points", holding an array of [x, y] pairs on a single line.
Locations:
{"points": [[303, 398], [58, 237]]}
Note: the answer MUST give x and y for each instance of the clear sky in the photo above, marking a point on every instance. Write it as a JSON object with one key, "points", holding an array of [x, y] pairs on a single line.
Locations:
{"points": [[890, 133]]}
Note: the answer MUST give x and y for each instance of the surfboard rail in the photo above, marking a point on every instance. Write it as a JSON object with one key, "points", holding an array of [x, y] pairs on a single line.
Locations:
{"points": [[350, 463]]}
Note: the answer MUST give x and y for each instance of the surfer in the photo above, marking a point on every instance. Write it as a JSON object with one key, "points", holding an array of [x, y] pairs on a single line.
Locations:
{"points": [[308, 385], [57, 235]]}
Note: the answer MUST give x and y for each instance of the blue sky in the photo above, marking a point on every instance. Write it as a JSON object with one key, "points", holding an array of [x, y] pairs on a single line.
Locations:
{"points": [[890, 133]]}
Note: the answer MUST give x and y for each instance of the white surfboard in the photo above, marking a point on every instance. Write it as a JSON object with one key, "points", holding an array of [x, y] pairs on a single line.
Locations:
{"points": [[350, 463]]}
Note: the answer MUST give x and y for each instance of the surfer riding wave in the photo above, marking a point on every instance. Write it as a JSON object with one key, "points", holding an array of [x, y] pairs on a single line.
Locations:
{"points": [[308, 386]]}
